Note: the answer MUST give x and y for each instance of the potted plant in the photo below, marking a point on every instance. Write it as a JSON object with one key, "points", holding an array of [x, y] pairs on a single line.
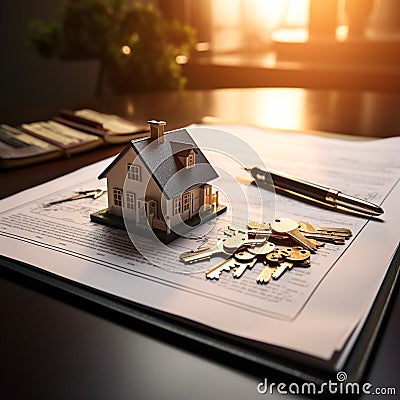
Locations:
{"points": [[138, 49]]}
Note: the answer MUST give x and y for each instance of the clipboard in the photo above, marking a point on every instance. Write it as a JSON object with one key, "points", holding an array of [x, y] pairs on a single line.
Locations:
{"points": [[288, 363]]}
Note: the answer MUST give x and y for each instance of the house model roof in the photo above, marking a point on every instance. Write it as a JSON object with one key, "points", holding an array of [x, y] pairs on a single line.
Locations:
{"points": [[160, 158]]}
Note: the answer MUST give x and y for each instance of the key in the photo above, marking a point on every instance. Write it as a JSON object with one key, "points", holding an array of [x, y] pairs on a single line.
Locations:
{"points": [[227, 245], [310, 228], [258, 229], [271, 261], [285, 240], [80, 195], [295, 256], [202, 254], [304, 264], [234, 230], [245, 260], [310, 231], [277, 256], [290, 227], [252, 230], [325, 238], [275, 259], [226, 265], [257, 226], [261, 250], [298, 255], [93, 193], [266, 274], [232, 243], [281, 268]]}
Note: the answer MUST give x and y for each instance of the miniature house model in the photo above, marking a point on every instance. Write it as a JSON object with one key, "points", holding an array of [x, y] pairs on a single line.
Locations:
{"points": [[162, 180]]}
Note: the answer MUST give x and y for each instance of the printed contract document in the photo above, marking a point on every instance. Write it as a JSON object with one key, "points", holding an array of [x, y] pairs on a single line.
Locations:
{"points": [[324, 304]]}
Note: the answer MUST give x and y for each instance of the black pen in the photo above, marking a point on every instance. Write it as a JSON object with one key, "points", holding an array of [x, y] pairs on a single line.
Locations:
{"points": [[313, 191]]}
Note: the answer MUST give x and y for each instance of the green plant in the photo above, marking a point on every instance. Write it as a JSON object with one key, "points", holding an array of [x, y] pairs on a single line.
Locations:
{"points": [[136, 46]]}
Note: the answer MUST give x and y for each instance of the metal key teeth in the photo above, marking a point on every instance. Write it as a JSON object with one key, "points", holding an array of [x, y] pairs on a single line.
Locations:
{"points": [[265, 275], [215, 272]]}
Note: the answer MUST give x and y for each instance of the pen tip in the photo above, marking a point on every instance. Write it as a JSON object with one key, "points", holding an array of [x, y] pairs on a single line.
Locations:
{"points": [[379, 210]]}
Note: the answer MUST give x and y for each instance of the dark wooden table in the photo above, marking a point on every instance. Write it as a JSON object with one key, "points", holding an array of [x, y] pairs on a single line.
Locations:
{"points": [[55, 345], [371, 114]]}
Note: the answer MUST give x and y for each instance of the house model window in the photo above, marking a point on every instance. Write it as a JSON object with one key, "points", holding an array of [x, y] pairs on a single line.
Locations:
{"points": [[117, 195], [177, 206], [134, 173], [184, 154], [190, 160], [185, 202], [130, 200]]}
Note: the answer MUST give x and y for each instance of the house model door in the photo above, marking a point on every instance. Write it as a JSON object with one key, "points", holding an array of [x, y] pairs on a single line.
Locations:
{"points": [[186, 205], [146, 211], [195, 202], [207, 194]]}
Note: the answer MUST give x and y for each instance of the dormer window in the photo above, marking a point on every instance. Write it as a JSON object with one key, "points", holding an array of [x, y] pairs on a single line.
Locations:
{"points": [[190, 160], [184, 154]]}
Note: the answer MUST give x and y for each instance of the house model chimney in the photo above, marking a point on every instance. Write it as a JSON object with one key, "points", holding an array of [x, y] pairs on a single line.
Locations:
{"points": [[157, 129]]}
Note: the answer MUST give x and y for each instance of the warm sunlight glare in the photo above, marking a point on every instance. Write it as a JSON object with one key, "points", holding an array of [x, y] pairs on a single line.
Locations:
{"points": [[274, 112], [262, 18], [282, 14]]}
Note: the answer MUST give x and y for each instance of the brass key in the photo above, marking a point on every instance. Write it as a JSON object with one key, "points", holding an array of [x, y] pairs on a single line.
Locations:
{"points": [[227, 245], [232, 243], [275, 259], [202, 254], [80, 195], [261, 250], [251, 256], [252, 231], [285, 240], [257, 226], [240, 239], [281, 268], [320, 236], [326, 230], [244, 260], [296, 256], [277, 255], [272, 261], [226, 265], [266, 274], [291, 228]]}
